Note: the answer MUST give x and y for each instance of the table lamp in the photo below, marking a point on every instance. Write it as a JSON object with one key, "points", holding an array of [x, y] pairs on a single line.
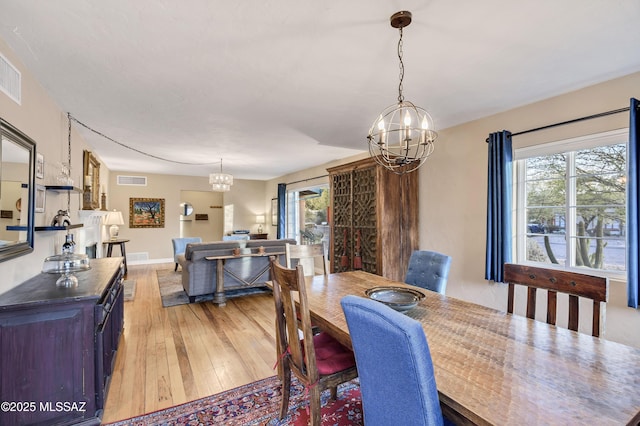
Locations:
{"points": [[114, 219], [260, 220]]}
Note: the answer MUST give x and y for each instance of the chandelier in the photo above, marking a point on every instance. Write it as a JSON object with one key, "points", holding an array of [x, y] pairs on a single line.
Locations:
{"points": [[221, 182], [402, 136]]}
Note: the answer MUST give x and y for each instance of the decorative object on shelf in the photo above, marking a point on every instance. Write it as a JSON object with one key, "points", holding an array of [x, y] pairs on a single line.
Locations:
{"points": [[91, 173], [260, 220], [69, 245], [402, 136], [103, 202], [66, 264], [61, 219], [114, 219], [39, 166], [221, 182], [64, 175], [40, 198], [146, 212]]}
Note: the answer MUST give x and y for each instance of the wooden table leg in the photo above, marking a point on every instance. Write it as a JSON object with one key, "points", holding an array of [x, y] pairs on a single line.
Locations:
{"points": [[123, 250], [218, 296]]}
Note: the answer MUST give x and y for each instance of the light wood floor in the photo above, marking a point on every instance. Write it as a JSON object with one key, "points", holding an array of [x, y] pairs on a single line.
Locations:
{"points": [[169, 356]]}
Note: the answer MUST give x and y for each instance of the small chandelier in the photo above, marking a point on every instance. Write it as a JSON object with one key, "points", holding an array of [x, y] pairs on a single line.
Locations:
{"points": [[402, 136], [221, 182]]}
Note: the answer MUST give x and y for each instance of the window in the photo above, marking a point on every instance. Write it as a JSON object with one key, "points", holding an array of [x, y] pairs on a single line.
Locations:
{"points": [[571, 203], [307, 215]]}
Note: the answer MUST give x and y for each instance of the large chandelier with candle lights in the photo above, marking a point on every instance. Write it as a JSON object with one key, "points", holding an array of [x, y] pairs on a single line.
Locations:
{"points": [[402, 136]]}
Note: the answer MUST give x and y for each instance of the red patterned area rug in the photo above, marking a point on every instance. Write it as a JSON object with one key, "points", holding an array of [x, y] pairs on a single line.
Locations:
{"points": [[258, 403]]}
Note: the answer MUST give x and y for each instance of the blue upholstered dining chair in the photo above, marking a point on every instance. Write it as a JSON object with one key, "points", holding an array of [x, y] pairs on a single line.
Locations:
{"points": [[179, 246], [394, 364], [428, 269]]}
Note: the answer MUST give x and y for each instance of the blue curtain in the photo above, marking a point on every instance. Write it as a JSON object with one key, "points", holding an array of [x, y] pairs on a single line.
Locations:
{"points": [[633, 213], [282, 210], [499, 205]]}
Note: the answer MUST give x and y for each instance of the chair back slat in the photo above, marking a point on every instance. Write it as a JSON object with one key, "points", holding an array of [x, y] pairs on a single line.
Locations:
{"points": [[556, 281], [531, 303], [552, 306]]}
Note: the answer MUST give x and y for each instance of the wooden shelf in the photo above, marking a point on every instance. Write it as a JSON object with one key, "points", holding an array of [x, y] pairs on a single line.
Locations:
{"points": [[44, 228], [62, 188], [57, 228]]}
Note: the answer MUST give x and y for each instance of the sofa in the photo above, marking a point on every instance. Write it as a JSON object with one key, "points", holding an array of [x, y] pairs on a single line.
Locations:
{"points": [[246, 268]]}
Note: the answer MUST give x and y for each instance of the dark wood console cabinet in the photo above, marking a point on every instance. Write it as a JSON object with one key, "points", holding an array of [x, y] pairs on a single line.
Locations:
{"points": [[58, 345]]}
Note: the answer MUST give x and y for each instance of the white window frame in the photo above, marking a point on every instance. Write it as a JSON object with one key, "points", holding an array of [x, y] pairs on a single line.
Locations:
{"points": [[612, 137]]}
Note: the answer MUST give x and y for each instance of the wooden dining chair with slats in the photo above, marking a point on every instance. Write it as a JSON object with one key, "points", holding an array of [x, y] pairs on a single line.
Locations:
{"points": [[557, 281], [310, 256], [318, 361]]}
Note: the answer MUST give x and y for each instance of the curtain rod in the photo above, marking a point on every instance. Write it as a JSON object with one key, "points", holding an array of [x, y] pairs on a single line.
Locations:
{"points": [[575, 120], [306, 180]]}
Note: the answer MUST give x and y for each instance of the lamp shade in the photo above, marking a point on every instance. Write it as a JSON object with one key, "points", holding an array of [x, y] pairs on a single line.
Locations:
{"points": [[114, 218]]}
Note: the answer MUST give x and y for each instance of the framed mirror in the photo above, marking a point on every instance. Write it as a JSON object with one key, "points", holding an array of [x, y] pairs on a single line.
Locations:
{"points": [[91, 173], [17, 192]]}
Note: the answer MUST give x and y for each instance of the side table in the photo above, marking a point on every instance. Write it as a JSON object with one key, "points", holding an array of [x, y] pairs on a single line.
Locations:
{"points": [[123, 250]]}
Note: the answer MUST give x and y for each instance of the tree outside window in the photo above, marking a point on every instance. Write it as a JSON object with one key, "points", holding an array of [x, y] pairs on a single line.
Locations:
{"points": [[574, 208]]}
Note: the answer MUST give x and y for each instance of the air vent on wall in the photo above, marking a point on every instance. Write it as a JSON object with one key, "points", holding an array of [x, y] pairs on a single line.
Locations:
{"points": [[132, 180], [10, 80]]}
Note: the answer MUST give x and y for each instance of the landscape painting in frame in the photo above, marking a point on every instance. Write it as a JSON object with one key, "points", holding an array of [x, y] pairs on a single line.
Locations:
{"points": [[146, 212]]}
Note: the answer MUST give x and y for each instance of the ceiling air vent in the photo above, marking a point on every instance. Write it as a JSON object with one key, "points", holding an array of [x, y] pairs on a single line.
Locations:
{"points": [[132, 180], [10, 80]]}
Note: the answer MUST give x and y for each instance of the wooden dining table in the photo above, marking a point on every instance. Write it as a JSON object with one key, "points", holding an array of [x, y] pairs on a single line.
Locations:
{"points": [[494, 368]]}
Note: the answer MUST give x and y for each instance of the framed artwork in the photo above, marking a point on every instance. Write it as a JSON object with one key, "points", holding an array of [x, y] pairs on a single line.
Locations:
{"points": [[39, 166], [146, 212], [91, 177], [274, 212], [40, 198]]}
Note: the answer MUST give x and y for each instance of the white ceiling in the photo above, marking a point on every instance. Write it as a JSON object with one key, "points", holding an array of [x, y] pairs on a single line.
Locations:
{"points": [[274, 87]]}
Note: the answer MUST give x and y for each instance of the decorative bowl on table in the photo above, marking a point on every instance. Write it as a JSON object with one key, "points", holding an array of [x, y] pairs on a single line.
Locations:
{"points": [[399, 298]]}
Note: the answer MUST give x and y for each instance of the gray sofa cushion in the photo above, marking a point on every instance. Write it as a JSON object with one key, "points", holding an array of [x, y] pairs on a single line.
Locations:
{"points": [[199, 274]]}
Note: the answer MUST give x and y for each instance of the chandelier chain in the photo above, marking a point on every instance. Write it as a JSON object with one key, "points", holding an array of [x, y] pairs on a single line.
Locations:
{"points": [[69, 161], [400, 95]]}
